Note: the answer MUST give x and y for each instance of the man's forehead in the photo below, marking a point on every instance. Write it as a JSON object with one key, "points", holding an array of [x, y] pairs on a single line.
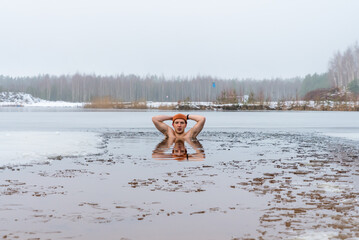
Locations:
{"points": [[179, 120]]}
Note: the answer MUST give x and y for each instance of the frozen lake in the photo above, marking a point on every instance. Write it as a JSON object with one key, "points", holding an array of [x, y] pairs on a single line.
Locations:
{"points": [[79, 174], [68, 119], [34, 134]]}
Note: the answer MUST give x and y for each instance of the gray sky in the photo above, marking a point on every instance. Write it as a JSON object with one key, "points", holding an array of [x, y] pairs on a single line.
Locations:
{"points": [[223, 38]]}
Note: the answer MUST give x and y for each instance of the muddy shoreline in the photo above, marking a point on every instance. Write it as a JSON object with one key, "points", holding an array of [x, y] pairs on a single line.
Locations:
{"points": [[251, 185]]}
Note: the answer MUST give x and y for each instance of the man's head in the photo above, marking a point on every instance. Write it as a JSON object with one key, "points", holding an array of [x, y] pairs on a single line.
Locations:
{"points": [[179, 123], [179, 151]]}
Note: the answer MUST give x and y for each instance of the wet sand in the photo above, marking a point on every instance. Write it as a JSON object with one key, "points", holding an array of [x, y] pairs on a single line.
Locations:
{"points": [[251, 185]]}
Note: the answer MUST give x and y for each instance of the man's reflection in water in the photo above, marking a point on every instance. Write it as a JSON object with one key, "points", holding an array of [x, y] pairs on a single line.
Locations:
{"points": [[179, 150]]}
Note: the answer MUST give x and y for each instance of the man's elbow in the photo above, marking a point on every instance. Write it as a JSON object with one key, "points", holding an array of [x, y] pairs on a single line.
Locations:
{"points": [[154, 119], [203, 119]]}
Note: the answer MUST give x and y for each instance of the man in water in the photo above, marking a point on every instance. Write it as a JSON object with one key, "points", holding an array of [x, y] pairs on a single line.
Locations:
{"points": [[179, 124]]}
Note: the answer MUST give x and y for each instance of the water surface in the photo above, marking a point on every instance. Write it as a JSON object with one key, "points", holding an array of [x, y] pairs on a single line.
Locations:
{"points": [[269, 175]]}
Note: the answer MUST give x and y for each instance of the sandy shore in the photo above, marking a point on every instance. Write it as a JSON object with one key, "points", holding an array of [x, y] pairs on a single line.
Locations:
{"points": [[251, 185]]}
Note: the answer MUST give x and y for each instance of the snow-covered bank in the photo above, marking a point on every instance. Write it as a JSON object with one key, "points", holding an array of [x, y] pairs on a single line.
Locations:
{"points": [[278, 105], [11, 99], [55, 104], [27, 147]]}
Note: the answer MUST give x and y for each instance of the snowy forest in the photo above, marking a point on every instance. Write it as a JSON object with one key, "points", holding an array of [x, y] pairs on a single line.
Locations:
{"points": [[83, 88], [343, 74]]}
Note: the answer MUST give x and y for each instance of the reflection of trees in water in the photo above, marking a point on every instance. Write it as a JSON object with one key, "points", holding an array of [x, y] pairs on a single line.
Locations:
{"points": [[179, 151]]}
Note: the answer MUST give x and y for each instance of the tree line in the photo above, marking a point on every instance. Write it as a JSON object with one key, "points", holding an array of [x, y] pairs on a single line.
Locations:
{"points": [[343, 74], [344, 68], [84, 87]]}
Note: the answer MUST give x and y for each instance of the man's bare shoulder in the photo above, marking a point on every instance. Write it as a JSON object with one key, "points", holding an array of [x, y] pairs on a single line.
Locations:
{"points": [[170, 133]]}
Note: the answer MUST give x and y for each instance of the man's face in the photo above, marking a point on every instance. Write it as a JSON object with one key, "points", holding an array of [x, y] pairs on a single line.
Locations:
{"points": [[179, 149], [179, 125]]}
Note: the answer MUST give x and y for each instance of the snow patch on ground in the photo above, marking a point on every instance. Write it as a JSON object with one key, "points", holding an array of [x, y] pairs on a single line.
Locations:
{"points": [[28, 147], [20, 99], [54, 104]]}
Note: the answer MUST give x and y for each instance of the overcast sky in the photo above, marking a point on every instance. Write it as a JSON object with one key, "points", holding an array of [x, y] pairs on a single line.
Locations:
{"points": [[223, 38]]}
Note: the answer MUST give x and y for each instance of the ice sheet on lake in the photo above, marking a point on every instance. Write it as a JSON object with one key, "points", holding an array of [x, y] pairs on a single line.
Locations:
{"points": [[316, 236], [351, 136], [27, 147]]}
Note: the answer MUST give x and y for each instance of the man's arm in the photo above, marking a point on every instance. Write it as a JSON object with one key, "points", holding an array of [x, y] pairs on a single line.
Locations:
{"points": [[160, 125], [160, 151], [164, 145], [199, 125]]}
